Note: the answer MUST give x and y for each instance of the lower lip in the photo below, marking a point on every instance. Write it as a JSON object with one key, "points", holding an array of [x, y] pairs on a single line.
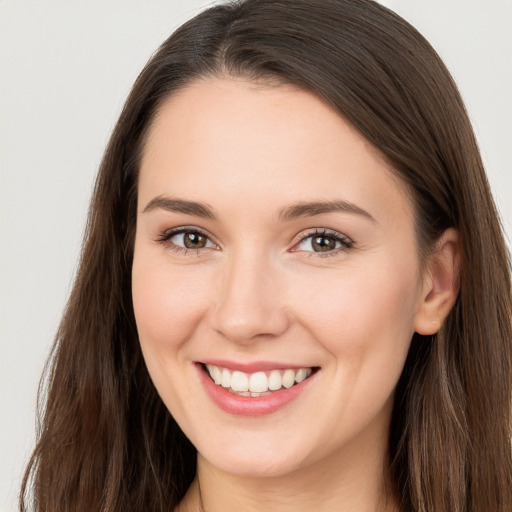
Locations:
{"points": [[250, 406]]}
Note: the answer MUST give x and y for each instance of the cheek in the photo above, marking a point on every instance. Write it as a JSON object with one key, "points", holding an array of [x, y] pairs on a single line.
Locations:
{"points": [[167, 311], [167, 308], [363, 316], [364, 319]]}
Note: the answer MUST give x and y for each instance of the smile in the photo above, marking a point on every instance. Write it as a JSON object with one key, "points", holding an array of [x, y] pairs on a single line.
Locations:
{"points": [[262, 391], [259, 383]]}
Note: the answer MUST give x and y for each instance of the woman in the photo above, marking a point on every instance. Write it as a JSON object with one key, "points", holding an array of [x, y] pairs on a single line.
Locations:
{"points": [[294, 290]]}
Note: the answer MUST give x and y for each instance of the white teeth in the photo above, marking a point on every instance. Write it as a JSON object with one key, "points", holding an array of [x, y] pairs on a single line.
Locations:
{"points": [[288, 378], [226, 378], [258, 383], [215, 373], [302, 374], [240, 382], [274, 380]]}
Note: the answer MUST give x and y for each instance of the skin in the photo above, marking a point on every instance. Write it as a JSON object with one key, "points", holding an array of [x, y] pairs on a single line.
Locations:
{"points": [[259, 291]]}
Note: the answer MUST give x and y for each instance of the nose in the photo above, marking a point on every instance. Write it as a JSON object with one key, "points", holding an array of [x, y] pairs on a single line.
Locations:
{"points": [[250, 304]]}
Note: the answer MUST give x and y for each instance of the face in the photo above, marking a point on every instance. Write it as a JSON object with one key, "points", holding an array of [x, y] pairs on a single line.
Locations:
{"points": [[276, 279]]}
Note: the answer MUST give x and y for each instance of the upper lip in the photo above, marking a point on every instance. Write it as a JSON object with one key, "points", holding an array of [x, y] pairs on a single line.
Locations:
{"points": [[254, 366]]}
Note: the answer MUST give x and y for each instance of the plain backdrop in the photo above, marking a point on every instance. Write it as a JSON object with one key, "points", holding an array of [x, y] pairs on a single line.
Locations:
{"points": [[65, 70]]}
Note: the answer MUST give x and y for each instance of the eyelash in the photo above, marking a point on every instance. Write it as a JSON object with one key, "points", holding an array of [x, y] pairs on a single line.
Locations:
{"points": [[167, 235], [345, 242]]}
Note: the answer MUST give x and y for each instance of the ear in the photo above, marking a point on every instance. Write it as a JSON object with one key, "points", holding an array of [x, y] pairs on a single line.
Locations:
{"points": [[441, 284]]}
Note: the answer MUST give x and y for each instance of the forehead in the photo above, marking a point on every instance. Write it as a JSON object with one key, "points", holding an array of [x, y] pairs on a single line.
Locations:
{"points": [[220, 140]]}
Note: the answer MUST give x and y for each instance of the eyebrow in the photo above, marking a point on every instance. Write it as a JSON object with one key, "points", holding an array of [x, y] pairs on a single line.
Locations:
{"points": [[289, 213], [180, 206], [317, 208]]}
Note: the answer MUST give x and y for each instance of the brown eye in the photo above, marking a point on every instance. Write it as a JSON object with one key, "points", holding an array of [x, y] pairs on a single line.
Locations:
{"points": [[194, 240], [323, 243], [183, 238]]}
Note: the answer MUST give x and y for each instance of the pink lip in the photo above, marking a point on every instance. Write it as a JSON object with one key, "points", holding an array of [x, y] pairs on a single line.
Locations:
{"points": [[246, 405]]}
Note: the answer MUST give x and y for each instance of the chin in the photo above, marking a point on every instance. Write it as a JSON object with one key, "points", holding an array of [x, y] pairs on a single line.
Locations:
{"points": [[257, 461]]}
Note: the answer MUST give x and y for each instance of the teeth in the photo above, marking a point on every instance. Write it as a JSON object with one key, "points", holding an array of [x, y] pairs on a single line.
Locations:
{"points": [[259, 383], [240, 382], [274, 380], [301, 375], [225, 378], [216, 375], [288, 378]]}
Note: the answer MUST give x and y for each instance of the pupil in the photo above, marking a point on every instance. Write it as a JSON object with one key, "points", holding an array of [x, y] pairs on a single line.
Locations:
{"points": [[323, 243], [194, 240]]}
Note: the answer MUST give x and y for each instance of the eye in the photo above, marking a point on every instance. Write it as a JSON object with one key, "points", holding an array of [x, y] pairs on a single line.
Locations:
{"points": [[190, 240], [184, 239], [325, 242]]}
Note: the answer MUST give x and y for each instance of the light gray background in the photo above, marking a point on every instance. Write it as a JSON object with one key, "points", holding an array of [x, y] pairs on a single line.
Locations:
{"points": [[65, 70]]}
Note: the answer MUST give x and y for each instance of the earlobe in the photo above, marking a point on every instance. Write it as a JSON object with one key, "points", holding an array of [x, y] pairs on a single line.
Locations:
{"points": [[441, 284]]}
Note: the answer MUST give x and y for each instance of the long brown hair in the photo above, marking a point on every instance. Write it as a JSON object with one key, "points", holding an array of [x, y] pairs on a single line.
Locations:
{"points": [[106, 441]]}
